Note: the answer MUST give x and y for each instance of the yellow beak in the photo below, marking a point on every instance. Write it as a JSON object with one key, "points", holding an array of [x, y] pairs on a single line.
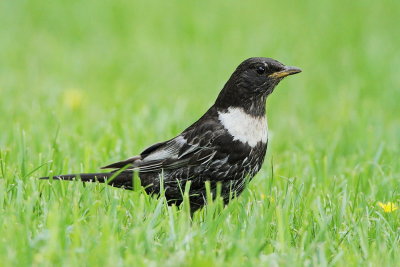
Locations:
{"points": [[288, 70]]}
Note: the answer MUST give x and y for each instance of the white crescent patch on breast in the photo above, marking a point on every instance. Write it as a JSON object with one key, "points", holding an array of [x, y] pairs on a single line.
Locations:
{"points": [[244, 127]]}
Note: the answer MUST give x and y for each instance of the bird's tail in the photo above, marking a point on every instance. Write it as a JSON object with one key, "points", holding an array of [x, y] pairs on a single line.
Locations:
{"points": [[117, 179]]}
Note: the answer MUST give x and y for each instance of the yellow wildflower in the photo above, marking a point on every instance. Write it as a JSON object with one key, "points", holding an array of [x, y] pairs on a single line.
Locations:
{"points": [[73, 98], [262, 196], [388, 207]]}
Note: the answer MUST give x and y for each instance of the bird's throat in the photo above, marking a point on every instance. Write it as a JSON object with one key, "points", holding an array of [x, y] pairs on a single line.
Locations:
{"points": [[252, 104], [255, 106]]}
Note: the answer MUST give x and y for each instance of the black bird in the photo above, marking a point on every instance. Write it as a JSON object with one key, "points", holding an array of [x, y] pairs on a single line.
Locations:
{"points": [[227, 145]]}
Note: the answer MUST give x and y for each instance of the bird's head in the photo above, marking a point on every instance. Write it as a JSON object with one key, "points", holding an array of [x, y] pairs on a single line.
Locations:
{"points": [[260, 75], [253, 80]]}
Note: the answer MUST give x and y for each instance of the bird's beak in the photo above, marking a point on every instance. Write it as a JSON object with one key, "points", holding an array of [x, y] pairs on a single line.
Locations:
{"points": [[288, 70]]}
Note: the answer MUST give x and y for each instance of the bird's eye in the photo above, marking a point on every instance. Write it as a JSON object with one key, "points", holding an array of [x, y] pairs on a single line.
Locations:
{"points": [[260, 69]]}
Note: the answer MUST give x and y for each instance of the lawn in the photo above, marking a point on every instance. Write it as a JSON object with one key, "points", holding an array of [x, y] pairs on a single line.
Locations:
{"points": [[87, 83]]}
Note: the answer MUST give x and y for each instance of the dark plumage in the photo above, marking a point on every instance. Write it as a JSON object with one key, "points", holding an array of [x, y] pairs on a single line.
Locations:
{"points": [[227, 144]]}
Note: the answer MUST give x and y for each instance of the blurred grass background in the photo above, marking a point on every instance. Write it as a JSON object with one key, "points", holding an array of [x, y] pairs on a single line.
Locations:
{"points": [[86, 83]]}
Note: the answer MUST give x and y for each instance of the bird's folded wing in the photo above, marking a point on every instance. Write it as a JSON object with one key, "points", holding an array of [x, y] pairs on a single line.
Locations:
{"points": [[171, 154]]}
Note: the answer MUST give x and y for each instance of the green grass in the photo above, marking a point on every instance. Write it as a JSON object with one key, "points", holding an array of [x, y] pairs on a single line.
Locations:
{"points": [[86, 83]]}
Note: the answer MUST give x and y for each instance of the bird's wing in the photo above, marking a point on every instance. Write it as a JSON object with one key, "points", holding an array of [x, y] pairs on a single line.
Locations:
{"points": [[130, 161], [174, 154], [171, 154]]}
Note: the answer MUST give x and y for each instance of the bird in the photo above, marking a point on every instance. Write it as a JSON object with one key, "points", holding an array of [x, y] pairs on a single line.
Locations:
{"points": [[226, 146]]}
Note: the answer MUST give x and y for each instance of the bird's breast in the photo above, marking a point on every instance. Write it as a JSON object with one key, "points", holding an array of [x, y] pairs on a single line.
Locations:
{"points": [[244, 127]]}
